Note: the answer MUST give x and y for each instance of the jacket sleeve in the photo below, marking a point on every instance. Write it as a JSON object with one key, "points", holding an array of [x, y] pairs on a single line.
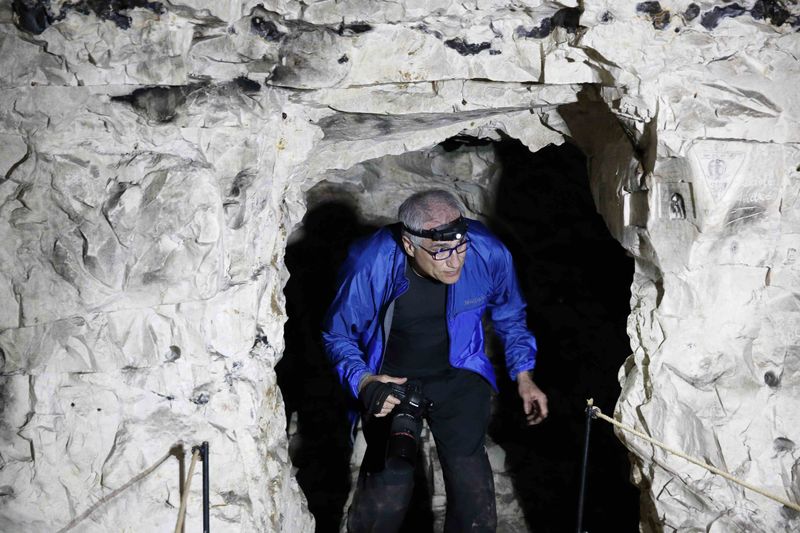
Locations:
{"points": [[507, 311], [347, 321]]}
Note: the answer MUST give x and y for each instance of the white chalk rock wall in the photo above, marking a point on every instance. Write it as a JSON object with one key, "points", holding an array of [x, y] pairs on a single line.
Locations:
{"points": [[155, 157], [712, 217], [142, 296]]}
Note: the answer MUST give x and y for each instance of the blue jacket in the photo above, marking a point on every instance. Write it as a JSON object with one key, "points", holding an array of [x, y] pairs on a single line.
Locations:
{"points": [[358, 321]]}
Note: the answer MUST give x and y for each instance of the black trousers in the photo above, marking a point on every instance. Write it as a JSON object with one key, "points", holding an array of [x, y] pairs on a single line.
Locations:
{"points": [[458, 421]]}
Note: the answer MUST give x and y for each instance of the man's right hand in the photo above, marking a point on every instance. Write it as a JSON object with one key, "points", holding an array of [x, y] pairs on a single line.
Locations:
{"points": [[375, 394]]}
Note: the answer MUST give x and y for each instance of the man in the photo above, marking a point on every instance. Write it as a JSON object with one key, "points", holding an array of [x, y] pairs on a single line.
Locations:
{"points": [[409, 309]]}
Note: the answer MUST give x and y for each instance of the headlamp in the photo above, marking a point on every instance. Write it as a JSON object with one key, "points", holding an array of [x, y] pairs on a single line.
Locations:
{"points": [[452, 231]]}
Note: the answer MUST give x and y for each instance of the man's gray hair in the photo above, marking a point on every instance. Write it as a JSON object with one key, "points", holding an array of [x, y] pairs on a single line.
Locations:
{"points": [[416, 210]]}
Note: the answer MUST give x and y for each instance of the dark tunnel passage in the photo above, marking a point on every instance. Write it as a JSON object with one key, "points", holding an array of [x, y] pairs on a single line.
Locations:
{"points": [[576, 279]]}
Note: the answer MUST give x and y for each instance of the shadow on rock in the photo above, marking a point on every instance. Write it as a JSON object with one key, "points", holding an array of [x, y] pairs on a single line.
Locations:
{"points": [[316, 403]]}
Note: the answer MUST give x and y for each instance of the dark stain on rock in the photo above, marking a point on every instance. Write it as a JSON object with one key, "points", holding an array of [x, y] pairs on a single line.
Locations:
{"points": [[260, 340], [774, 11], [661, 20], [265, 29], [246, 85], [230, 497], [458, 141], [495, 52], [32, 16], [782, 444], [115, 10], [174, 354], [658, 16], [159, 103], [235, 203], [537, 32], [343, 59], [607, 17], [201, 398], [648, 8], [467, 49], [772, 380], [710, 19], [233, 373], [154, 276], [691, 12], [241, 183], [353, 28], [385, 127], [425, 29], [566, 17]]}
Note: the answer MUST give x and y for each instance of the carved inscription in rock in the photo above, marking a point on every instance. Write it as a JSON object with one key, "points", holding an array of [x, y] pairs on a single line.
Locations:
{"points": [[720, 163]]}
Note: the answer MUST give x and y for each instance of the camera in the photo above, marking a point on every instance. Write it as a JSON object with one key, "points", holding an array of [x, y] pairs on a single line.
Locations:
{"points": [[404, 431]]}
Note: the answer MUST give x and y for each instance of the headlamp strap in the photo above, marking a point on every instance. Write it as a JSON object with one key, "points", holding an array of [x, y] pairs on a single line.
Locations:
{"points": [[452, 231]]}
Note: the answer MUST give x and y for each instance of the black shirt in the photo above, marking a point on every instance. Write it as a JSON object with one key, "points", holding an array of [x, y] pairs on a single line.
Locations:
{"points": [[418, 341]]}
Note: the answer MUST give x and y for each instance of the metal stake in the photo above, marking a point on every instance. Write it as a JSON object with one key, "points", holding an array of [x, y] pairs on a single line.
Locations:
{"points": [[203, 449], [582, 494]]}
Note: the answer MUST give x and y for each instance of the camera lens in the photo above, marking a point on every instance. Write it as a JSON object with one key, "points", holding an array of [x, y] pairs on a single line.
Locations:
{"points": [[403, 437]]}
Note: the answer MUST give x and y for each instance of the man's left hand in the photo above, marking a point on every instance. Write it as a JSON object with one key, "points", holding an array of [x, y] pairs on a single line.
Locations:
{"points": [[534, 400]]}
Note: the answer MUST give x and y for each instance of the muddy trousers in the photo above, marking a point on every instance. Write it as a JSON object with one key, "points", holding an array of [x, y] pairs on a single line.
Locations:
{"points": [[458, 422]]}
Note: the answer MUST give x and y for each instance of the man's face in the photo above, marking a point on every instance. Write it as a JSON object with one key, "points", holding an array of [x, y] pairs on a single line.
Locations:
{"points": [[447, 271]]}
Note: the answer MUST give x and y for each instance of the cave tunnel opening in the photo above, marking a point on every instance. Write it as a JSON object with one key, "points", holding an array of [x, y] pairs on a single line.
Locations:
{"points": [[576, 279]]}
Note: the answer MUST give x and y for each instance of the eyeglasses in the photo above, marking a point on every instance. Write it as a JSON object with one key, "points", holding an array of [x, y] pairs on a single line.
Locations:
{"points": [[445, 253]]}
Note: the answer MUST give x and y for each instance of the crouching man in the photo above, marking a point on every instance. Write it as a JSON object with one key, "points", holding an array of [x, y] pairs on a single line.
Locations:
{"points": [[407, 317]]}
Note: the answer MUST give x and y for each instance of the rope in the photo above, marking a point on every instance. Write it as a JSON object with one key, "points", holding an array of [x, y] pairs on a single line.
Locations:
{"points": [[102, 501], [597, 413], [185, 495]]}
